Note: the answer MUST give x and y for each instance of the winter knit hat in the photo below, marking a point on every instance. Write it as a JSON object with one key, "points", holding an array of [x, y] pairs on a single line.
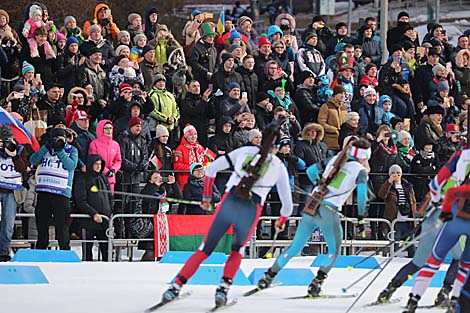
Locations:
{"points": [[234, 34], [95, 28], [146, 49], [401, 14], [349, 116], [384, 98], [158, 78], [233, 85], [369, 91], [243, 19], [135, 121], [188, 130], [227, 56], [120, 48], [194, 166], [161, 131], [124, 87], [60, 37], [443, 85], [261, 96], [131, 17], [403, 135], [26, 67], [436, 68], [284, 141], [138, 37], [34, 10], [338, 89], [254, 133], [70, 41], [234, 46], [69, 19], [263, 41], [394, 169], [304, 75], [123, 33]]}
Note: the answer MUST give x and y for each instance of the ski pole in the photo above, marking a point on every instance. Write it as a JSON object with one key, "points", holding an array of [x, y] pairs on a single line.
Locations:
{"points": [[368, 285], [269, 254], [408, 238], [122, 193], [403, 248]]}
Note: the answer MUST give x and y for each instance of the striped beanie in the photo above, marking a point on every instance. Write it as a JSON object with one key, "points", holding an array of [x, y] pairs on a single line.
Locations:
{"points": [[26, 67]]}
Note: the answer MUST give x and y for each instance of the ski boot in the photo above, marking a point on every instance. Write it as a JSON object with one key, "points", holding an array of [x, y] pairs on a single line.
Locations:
{"points": [[453, 306], [442, 298], [171, 293], [266, 280], [387, 293], [412, 304], [315, 286], [221, 292]]}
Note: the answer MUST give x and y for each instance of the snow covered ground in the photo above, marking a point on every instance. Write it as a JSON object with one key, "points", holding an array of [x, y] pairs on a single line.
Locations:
{"points": [[131, 287]]}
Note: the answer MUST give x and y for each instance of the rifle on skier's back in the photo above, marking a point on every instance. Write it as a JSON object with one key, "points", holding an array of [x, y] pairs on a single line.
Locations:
{"points": [[313, 202], [254, 167]]}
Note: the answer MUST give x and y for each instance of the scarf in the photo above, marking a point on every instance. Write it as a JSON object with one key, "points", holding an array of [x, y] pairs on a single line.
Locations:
{"points": [[426, 155], [197, 182], [285, 103]]}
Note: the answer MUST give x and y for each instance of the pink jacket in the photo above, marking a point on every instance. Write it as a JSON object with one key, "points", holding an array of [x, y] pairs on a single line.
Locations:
{"points": [[108, 149]]}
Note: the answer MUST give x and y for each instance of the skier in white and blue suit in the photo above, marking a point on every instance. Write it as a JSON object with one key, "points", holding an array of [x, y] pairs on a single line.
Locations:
{"points": [[352, 175]]}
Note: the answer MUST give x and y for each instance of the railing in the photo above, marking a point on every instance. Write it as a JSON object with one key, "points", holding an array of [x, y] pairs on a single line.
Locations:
{"points": [[254, 243], [19, 243]]}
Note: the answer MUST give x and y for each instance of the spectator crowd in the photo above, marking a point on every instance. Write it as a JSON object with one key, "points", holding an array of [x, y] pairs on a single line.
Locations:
{"points": [[117, 107]]}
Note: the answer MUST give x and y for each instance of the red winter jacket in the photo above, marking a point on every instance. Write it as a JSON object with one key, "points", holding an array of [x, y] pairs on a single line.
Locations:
{"points": [[185, 155]]}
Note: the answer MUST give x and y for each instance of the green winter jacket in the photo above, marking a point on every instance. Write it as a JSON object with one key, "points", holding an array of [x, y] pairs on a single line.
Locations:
{"points": [[165, 107]]}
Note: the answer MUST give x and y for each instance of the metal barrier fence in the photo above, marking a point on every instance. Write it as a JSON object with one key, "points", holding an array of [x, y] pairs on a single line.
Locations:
{"points": [[254, 243], [20, 243]]}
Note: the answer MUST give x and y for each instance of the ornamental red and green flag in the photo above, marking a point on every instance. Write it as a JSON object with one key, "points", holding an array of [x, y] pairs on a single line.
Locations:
{"points": [[156, 162], [187, 232]]}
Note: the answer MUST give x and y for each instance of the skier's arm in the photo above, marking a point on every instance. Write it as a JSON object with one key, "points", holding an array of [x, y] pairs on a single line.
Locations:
{"points": [[453, 194], [361, 191], [435, 186], [218, 165]]}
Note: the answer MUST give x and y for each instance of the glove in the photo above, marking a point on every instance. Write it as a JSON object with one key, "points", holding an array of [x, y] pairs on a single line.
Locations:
{"points": [[110, 173], [141, 166], [58, 145], [360, 225], [280, 223], [436, 204], [444, 216]]}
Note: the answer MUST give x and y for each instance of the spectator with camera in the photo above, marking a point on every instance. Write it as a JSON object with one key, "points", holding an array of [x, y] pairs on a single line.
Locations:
{"points": [[400, 203], [193, 190], [157, 187], [52, 103], [104, 20], [424, 165], [448, 145], [384, 155], [84, 136], [58, 161], [197, 109], [13, 165], [89, 201]]}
